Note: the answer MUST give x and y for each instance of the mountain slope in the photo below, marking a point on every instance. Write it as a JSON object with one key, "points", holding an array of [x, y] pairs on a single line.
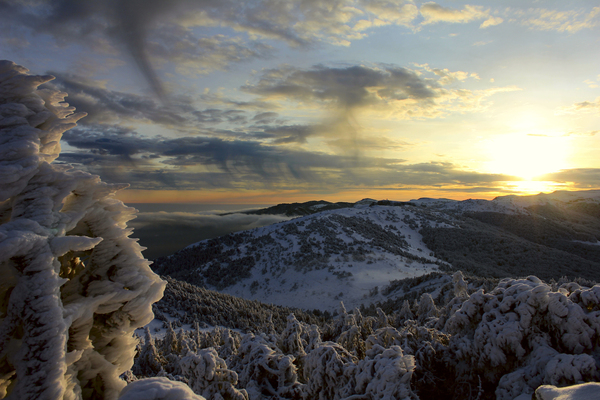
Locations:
{"points": [[313, 261], [354, 254]]}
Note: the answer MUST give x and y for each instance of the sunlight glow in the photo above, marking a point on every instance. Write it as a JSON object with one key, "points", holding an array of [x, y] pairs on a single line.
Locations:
{"points": [[527, 156], [527, 187]]}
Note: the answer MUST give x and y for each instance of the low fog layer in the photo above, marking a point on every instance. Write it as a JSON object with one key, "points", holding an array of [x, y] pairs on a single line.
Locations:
{"points": [[164, 233]]}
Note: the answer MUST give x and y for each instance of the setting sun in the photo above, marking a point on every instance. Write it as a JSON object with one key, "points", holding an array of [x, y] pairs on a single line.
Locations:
{"points": [[527, 156]]}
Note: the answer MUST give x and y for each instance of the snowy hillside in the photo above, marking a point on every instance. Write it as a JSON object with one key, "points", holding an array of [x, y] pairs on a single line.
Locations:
{"points": [[354, 252], [514, 204], [559, 198], [314, 261]]}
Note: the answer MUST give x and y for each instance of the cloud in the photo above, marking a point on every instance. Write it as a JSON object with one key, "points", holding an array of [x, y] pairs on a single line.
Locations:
{"points": [[289, 133], [491, 21], [570, 21], [353, 86], [580, 178], [207, 163], [265, 117], [386, 12], [343, 92], [105, 106], [152, 32], [582, 134], [149, 31], [159, 161], [401, 92], [200, 55], [582, 107], [446, 76], [434, 13]]}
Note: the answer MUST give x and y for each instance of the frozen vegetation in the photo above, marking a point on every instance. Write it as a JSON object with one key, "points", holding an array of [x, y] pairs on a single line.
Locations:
{"points": [[463, 342], [75, 288]]}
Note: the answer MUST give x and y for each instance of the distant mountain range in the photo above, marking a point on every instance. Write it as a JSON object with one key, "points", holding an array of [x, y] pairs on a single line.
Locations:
{"points": [[359, 252]]}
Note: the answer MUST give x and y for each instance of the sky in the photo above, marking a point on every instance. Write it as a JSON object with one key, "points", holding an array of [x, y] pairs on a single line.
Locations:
{"points": [[271, 101]]}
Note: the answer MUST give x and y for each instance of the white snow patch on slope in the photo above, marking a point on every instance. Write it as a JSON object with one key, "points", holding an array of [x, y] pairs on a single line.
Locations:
{"points": [[584, 391], [355, 280]]}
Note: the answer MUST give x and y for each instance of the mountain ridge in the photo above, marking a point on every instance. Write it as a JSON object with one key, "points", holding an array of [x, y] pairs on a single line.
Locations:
{"points": [[354, 253]]}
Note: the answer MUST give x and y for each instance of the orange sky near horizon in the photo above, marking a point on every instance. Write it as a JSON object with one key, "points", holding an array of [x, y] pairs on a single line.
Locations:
{"points": [[278, 197]]}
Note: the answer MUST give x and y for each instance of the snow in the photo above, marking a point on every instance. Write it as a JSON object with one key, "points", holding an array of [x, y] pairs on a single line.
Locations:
{"points": [[158, 388], [584, 391], [320, 288], [597, 243]]}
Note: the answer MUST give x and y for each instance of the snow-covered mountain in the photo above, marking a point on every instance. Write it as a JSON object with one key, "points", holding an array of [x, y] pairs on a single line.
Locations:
{"points": [[514, 204], [355, 252], [314, 261], [471, 335]]}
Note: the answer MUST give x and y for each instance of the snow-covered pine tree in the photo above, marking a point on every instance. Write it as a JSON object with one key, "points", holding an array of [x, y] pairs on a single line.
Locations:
{"points": [[208, 376], [404, 314], [264, 371], [427, 308], [291, 342], [74, 285], [384, 374], [522, 334], [149, 362]]}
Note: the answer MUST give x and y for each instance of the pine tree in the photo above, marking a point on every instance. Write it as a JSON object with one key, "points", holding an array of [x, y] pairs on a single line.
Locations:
{"points": [[149, 362]]}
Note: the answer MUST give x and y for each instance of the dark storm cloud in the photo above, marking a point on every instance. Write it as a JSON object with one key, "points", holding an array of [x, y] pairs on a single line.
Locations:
{"points": [[345, 91], [208, 162], [234, 157], [127, 24], [350, 87], [149, 29], [579, 177], [73, 20], [265, 118], [105, 106], [107, 142]]}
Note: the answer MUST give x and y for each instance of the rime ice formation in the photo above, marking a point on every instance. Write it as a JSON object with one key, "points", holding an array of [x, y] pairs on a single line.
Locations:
{"points": [[74, 286]]}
